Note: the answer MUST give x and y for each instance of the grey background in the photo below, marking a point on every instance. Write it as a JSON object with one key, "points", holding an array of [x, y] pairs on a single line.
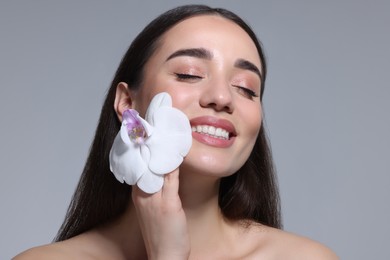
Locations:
{"points": [[325, 103]]}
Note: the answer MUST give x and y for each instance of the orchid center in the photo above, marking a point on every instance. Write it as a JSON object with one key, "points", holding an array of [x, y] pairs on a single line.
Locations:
{"points": [[135, 129], [137, 134]]}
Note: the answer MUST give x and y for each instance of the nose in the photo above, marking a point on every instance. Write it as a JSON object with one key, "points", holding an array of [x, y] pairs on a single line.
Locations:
{"points": [[218, 96]]}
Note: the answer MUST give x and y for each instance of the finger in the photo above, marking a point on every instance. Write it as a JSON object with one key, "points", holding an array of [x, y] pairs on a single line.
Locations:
{"points": [[139, 196], [170, 188]]}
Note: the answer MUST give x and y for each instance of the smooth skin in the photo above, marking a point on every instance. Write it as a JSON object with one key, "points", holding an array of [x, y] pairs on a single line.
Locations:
{"points": [[183, 220]]}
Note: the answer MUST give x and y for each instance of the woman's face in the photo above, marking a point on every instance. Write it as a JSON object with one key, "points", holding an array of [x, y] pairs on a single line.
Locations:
{"points": [[212, 70]]}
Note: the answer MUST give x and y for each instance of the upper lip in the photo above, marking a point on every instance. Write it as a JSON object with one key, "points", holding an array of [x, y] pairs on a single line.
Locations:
{"points": [[216, 122]]}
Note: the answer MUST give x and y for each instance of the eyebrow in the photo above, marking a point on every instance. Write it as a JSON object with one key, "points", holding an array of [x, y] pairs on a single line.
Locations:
{"points": [[247, 65], [202, 53], [195, 52]]}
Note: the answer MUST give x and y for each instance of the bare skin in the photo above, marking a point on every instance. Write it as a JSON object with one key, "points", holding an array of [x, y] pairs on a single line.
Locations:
{"points": [[183, 220], [219, 239]]}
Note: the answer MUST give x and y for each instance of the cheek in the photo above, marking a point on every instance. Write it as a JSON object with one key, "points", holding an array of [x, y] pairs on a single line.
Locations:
{"points": [[257, 124], [182, 98], [141, 103], [252, 121], [145, 95], [159, 81]]}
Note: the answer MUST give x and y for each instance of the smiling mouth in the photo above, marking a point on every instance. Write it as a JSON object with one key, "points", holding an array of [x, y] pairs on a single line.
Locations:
{"points": [[212, 131]]}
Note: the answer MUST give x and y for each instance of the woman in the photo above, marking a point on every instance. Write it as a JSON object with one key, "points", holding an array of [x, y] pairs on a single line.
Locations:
{"points": [[222, 202]]}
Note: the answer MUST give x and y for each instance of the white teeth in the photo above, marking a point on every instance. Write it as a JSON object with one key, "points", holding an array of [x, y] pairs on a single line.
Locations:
{"points": [[212, 131]]}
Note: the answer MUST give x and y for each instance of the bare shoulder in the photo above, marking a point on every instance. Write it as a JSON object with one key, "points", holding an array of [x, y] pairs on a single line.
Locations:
{"points": [[301, 247], [74, 248], [279, 244], [50, 251]]}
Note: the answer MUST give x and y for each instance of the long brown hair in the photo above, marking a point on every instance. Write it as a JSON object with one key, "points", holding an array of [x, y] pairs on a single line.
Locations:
{"points": [[249, 194]]}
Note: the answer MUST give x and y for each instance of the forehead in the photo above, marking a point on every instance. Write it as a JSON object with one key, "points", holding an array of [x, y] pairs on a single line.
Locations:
{"points": [[213, 32]]}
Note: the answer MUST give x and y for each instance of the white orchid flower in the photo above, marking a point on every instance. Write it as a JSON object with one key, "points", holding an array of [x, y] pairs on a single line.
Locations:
{"points": [[145, 150]]}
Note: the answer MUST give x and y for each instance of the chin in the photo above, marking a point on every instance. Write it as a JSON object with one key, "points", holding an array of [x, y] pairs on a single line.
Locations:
{"points": [[209, 165]]}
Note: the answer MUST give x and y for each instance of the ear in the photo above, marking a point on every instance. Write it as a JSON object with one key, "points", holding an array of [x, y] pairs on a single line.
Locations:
{"points": [[123, 99]]}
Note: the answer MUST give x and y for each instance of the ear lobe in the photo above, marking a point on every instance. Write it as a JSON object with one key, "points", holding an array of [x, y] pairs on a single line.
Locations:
{"points": [[123, 99]]}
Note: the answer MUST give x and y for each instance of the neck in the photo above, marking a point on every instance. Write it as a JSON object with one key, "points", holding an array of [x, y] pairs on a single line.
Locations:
{"points": [[117, 233], [199, 197], [198, 192]]}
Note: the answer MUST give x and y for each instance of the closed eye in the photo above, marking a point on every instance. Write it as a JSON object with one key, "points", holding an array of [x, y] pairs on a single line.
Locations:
{"points": [[246, 92], [187, 77]]}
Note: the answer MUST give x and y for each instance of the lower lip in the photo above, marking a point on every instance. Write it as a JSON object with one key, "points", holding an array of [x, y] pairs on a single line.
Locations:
{"points": [[212, 141]]}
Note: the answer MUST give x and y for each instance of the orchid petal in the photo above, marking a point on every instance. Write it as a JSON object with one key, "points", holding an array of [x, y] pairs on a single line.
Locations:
{"points": [[150, 182], [148, 128], [125, 159], [145, 150], [162, 99], [171, 141]]}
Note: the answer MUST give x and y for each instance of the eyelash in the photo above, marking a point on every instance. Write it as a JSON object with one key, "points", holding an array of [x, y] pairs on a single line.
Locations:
{"points": [[248, 92], [183, 76]]}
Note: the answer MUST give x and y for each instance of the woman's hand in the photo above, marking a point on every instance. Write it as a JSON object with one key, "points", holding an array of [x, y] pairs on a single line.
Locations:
{"points": [[163, 221]]}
